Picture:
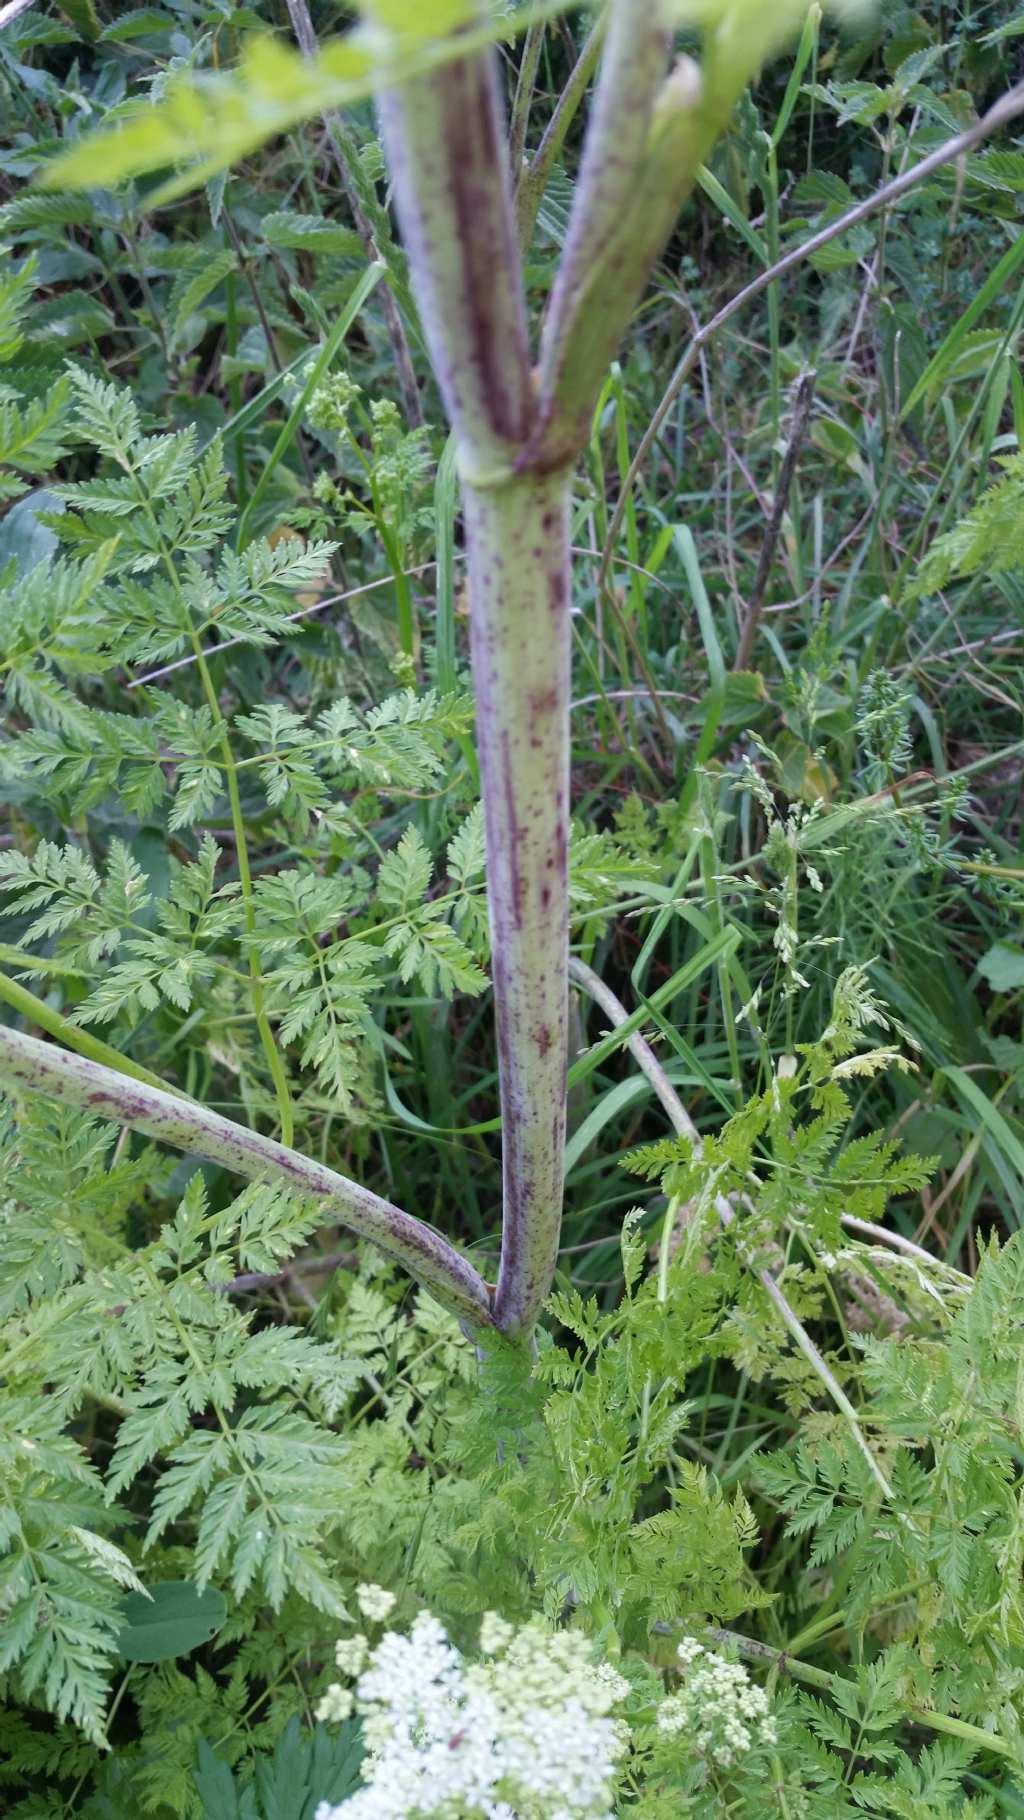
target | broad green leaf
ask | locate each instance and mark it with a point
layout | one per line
(23, 539)
(1003, 967)
(171, 1619)
(305, 1770)
(310, 233)
(192, 288)
(1014, 28)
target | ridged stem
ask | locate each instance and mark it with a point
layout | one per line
(519, 581)
(445, 142)
(37, 1067)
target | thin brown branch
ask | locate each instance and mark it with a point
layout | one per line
(752, 618)
(1007, 109)
(251, 1280)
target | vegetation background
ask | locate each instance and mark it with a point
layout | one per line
(240, 844)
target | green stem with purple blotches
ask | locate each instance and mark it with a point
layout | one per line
(37, 1067)
(519, 574)
(517, 439)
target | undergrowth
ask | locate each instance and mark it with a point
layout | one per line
(774, 1408)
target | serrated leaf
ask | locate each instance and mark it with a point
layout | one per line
(190, 289)
(310, 233)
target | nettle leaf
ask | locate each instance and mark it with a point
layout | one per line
(194, 284)
(310, 234)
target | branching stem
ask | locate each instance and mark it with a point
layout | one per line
(36, 1067)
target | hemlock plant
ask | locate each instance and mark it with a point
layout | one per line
(531, 1460)
(518, 429)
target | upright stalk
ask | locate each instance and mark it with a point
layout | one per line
(517, 437)
(519, 579)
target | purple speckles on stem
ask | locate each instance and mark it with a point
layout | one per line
(472, 153)
(517, 441)
(45, 1068)
(511, 834)
(444, 139)
(521, 652)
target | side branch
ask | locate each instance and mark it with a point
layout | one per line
(443, 134)
(36, 1067)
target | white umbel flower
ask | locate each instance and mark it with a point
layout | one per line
(723, 1715)
(336, 1705)
(350, 1654)
(527, 1732)
(375, 1602)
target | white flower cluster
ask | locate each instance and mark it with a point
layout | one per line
(526, 1734)
(375, 1602)
(718, 1706)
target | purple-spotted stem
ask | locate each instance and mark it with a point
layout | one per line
(37, 1067)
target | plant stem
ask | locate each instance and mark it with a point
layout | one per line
(820, 1678)
(347, 160)
(518, 542)
(37, 1011)
(532, 181)
(39, 1067)
(270, 1049)
(528, 67)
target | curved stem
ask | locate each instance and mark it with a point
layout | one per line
(784, 1663)
(37, 1011)
(38, 1067)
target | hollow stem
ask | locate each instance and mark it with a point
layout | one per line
(518, 546)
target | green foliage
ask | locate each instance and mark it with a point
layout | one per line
(288, 1785)
(149, 1332)
(279, 838)
(987, 541)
